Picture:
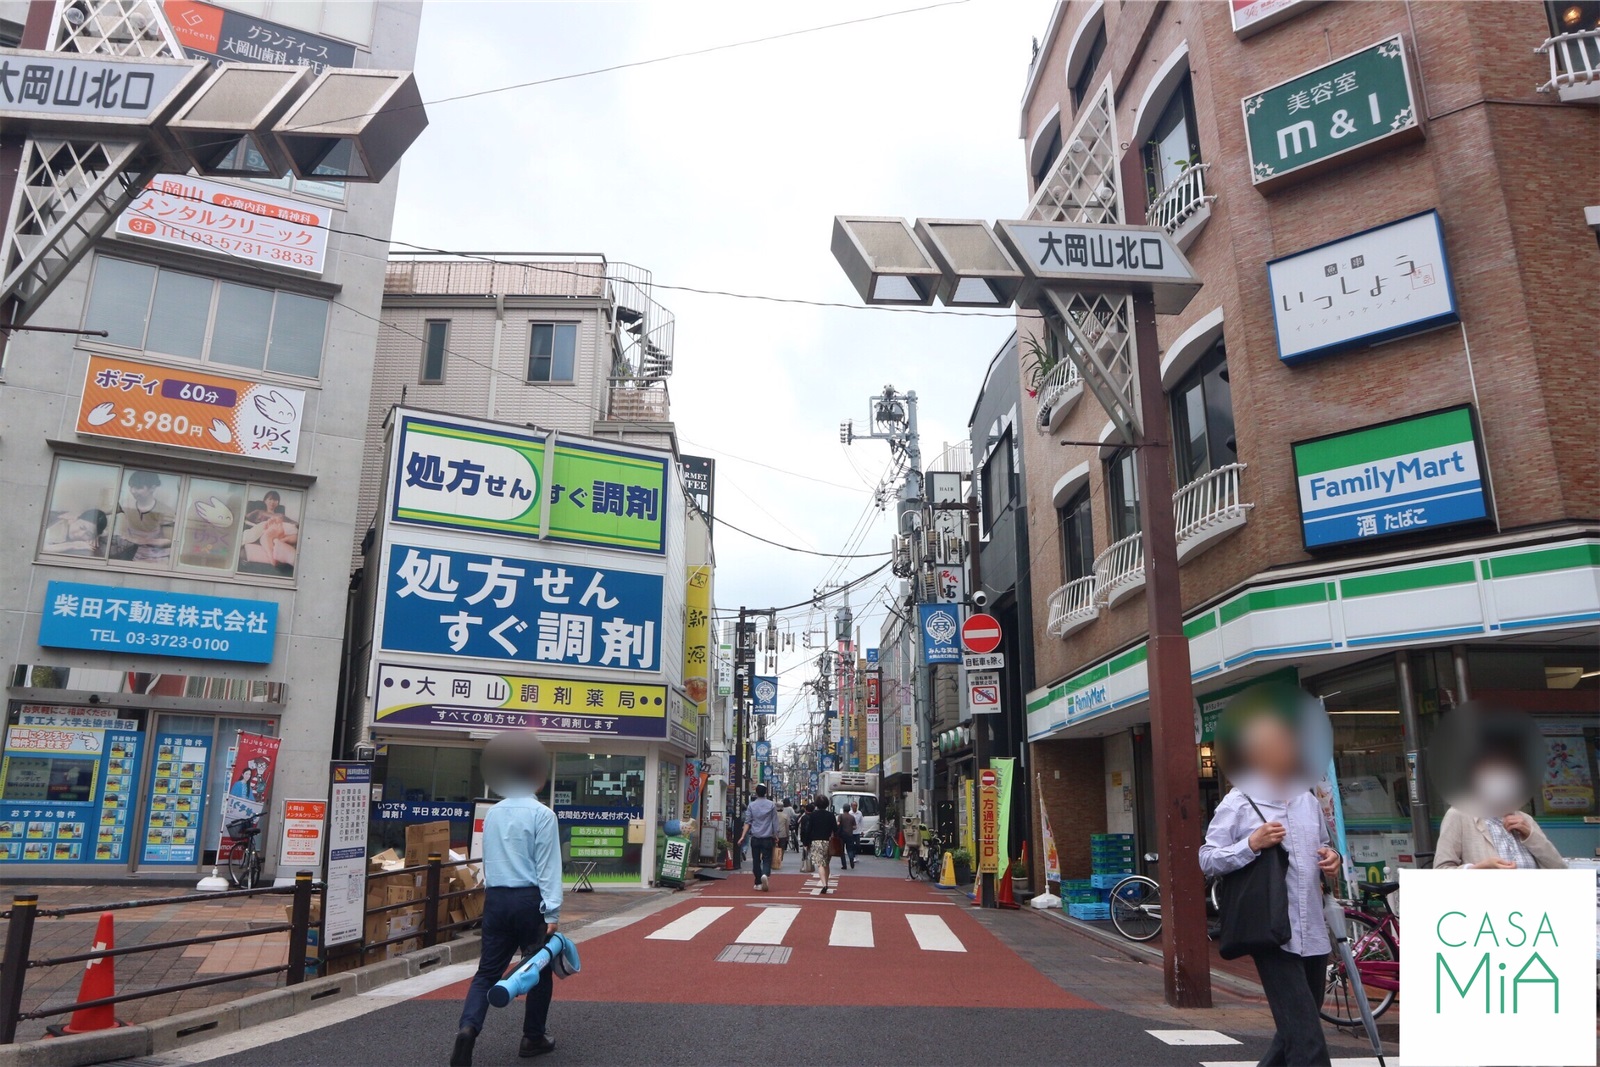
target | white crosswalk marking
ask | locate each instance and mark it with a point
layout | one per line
(933, 935)
(852, 929)
(1355, 1061)
(1192, 1037)
(769, 927)
(685, 927)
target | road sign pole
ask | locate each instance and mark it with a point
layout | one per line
(1179, 813)
(986, 892)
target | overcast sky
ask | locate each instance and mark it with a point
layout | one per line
(724, 171)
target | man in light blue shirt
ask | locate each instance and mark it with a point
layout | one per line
(761, 827)
(522, 901)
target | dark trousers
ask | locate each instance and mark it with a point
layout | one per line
(1294, 987)
(849, 850)
(761, 857)
(512, 920)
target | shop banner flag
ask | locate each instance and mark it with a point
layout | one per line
(1333, 816)
(255, 758)
(1004, 768)
(1052, 857)
(766, 696)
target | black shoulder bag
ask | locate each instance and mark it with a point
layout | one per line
(1255, 903)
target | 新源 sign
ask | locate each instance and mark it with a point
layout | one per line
(464, 475)
(446, 602)
(1355, 102)
(1400, 477)
(1378, 285)
(154, 622)
(941, 633)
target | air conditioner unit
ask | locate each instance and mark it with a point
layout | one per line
(927, 588)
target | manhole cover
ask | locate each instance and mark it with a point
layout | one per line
(754, 954)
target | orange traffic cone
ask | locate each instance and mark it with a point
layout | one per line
(727, 859)
(1003, 897)
(99, 982)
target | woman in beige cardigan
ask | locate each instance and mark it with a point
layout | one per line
(1508, 841)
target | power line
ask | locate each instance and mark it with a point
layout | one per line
(720, 521)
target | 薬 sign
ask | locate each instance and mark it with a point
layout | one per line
(1401, 477)
(1378, 285)
(1359, 103)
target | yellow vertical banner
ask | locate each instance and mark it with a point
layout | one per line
(696, 642)
(968, 817)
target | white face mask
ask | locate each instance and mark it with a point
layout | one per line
(1497, 791)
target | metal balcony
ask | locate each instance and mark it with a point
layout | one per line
(1058, 394)
(638, 400)
(1574, 65)
(1184, 206)
(1209, 508)
(1119, 570)
(1073, 606)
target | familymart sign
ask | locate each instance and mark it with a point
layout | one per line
(1400, 477)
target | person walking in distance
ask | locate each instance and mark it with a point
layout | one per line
(522, 898)
(760, 827)
(847, 838)
(780, 844)
(817, 830)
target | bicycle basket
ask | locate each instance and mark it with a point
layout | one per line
(239, 829)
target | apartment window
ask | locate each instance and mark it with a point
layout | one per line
(997, 482)
(435, 333)
(195, 317)
(139, 518)
(1202, 417)
(1174, 143)
(552, 351)
(1077, 536)
(1047, 155)
(1122, 491)
(1085, 79)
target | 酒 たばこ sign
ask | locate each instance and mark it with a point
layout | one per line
(189, 409)
(235, 222)
(1360, 102)
(462, 475)
(1400, 477)
(418, 696)
(155, 622)
(1378, 285)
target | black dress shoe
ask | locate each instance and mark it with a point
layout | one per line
(536, 1046)
(461, 1055)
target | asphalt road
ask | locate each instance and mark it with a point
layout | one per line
(883, 971)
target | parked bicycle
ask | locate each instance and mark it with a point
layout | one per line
(926, 857)
(1136, 906)
(885, 841)
(244, 859)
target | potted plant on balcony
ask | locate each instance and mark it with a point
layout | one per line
(1037, 362)
(961, 858)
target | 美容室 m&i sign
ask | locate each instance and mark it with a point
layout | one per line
(461, 474)
(1356, 105)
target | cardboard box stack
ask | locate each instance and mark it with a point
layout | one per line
(387, 887)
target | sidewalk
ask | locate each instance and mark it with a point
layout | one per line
(141, 971)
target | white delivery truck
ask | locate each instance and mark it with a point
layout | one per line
(844, 788)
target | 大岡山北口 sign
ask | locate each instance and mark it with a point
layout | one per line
(1355, 102)
(1378, 285)
(1111, 257)
(465, 475)
(1401, 477)
(156, 622)
(189, 409)
(445, 602)
(231, 220)
(429, 697)
(91, 90)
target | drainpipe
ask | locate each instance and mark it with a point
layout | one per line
(1416, 784)
(1458, 653)
(494, 351)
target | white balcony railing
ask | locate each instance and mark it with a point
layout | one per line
(1119, 570)
(1574, 64)
(1182, 201)
(1072, 606)
(1208, 507)
(1058, 393)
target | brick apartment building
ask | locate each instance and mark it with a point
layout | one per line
(1391, 208)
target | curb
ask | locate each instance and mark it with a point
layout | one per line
(1145, 954)
(160, 1035)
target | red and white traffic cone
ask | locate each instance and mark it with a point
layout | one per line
(99, 982)
(1003, 898)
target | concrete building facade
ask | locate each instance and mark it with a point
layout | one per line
(1292, 360)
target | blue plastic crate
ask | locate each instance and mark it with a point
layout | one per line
(1089, 912)
(1106, 881)
(1118, 869)
(1116, 838)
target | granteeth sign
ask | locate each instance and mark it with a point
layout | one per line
(1401, 477)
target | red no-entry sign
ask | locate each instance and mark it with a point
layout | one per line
(981, 633)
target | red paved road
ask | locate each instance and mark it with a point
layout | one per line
(627, 966)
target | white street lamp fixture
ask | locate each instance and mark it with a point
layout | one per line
(352, 125)
(884, 261)
(977, 270)
(223, 129)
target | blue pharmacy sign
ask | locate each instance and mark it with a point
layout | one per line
(765, 690)
(444, 602)
(763, 751)
(154, 622)
(827, 763)
(941, 633)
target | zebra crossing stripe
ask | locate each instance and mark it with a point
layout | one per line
(933, 935)
(851, 929)
(768, 927)
(1192, 1037)
(686, 927)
